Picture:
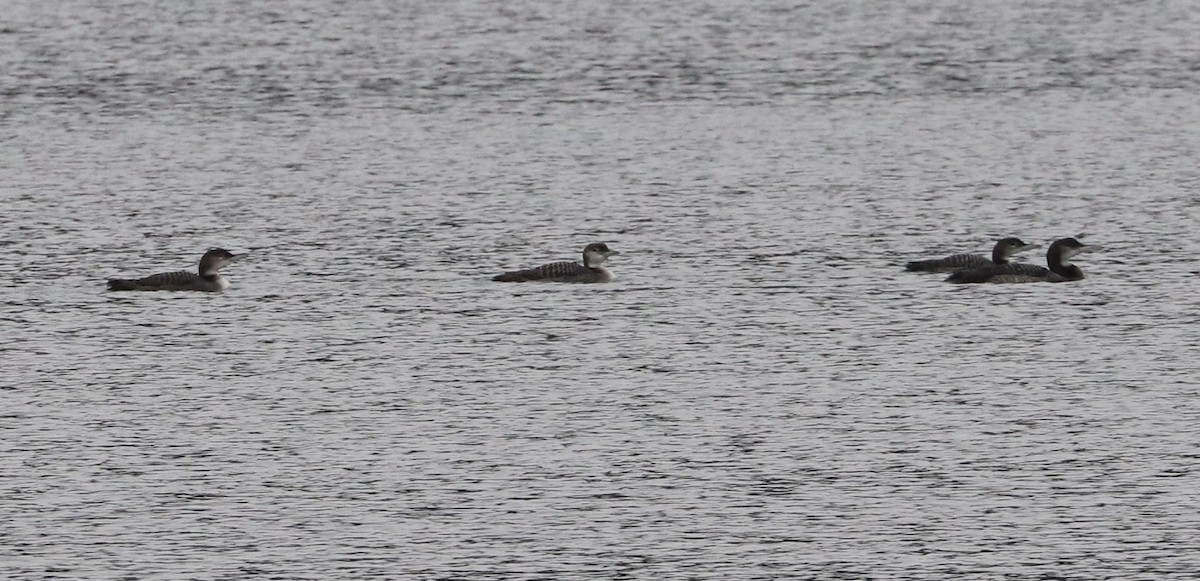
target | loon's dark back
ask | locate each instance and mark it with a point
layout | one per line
(948, 264)
(556, 272)
(181, 280)
(1012, 272)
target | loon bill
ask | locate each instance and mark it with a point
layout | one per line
(590, 271)
(207, 280)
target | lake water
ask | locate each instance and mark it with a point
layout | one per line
(761, 393)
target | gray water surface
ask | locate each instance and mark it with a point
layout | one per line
(761, 393)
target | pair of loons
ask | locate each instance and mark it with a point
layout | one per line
(209, 279)
(974, 268)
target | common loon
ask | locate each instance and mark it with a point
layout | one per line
(591, 270)
(1001, 253)
(207, 280)
(1057, 258)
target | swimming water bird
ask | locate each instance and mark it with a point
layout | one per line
(1057, 259)
(207, 280)
(591, 270)
(1001, 253)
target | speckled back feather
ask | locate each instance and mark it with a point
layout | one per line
(556, 272)
(1013, 272)
(949, 263)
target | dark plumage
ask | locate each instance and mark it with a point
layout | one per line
(1001, 253)
(1057, 259)
(590, 271)
(207, 279)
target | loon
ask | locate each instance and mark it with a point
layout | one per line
(591, 270)
(207, 280)
(1057, 258)
(1001, 253)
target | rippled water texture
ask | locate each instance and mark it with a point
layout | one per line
(761, 393)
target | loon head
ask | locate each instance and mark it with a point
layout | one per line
(596, 253)
(1015, 245)
(1064, 248)
(214, 260)
(1006, 247)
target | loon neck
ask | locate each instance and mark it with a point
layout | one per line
(211, 276)
(592, 261)
(1062, 266)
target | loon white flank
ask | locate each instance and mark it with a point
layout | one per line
(591, 270)
(1001, 253)
(1057, 259)
(207, 280)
